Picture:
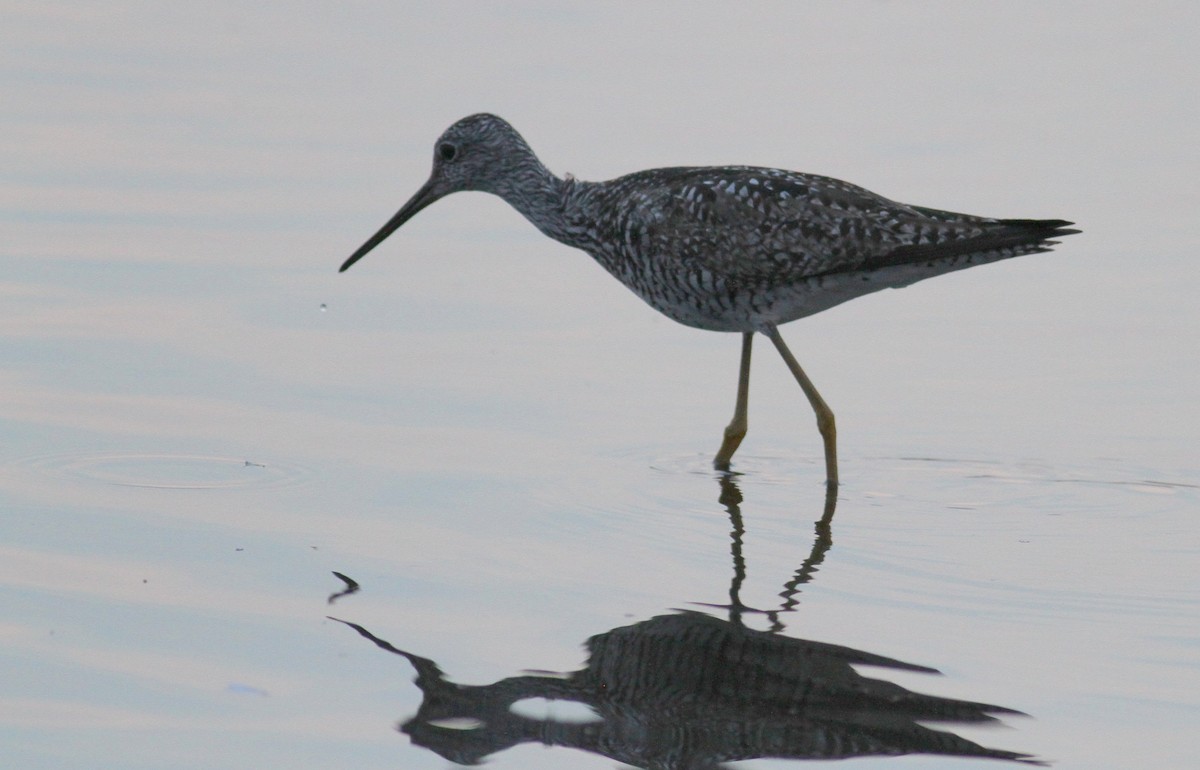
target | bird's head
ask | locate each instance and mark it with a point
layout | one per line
(480, 152)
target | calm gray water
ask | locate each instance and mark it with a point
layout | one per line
(509, 452)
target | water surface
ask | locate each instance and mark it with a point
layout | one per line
(509, 453)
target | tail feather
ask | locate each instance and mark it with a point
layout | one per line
(1000, 239)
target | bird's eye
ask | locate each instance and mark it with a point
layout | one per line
(447, 151)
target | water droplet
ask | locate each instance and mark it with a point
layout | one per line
(323, 307)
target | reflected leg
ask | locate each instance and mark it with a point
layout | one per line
(736, 430)
(825, 422)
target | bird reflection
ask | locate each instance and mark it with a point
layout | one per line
(689, 691)
(731, 499)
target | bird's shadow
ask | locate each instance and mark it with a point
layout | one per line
(689, 691)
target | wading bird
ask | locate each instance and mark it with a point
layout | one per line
(726, 248)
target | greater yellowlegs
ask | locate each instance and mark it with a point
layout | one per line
(726, 248)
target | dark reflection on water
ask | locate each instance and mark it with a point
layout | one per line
(688, 691)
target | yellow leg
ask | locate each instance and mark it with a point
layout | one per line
(736, 430)
(825, 422)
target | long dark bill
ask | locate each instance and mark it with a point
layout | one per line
(423, 198)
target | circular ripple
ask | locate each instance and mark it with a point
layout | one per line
(767, 469)
(169, 471)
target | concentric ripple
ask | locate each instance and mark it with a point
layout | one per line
(168, 471)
